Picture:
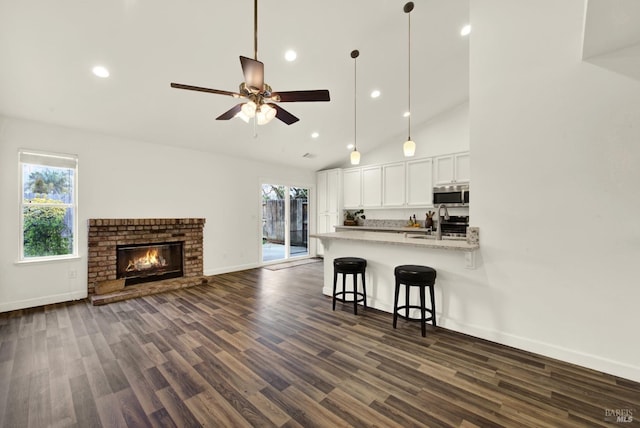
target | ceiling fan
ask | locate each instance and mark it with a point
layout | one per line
(261, 98)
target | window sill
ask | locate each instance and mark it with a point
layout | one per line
(48, 260)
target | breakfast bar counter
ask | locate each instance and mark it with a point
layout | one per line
(408, 238)
(453, 259)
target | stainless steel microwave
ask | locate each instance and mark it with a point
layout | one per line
(452, 196)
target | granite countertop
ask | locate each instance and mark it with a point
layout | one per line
(399, 239)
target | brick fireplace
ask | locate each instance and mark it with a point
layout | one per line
(107, 235)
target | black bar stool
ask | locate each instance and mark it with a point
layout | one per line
(415, 276)
(349, 266)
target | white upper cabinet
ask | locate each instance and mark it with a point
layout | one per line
(454, 168)
(420, 182)
(371, 186)
(393, 185)
(352, 187)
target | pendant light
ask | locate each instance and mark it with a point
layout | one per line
(409, 147)
(355, 154)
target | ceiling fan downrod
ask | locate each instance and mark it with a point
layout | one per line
(255, 30)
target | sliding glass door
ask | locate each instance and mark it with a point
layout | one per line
(285, 214)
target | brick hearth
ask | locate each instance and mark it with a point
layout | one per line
(106, 234)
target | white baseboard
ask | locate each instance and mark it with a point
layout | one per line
(595, 362)
(41, 301)
(228, 269)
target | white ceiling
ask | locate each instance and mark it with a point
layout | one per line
(612, 36)
(47, 50)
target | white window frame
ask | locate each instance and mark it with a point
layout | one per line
(33, 157)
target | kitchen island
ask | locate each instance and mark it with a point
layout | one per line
(453, 259)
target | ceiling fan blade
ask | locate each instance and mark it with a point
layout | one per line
(253, 73)
(284, 115)
(295, 96)
(231, 113)
(200, 89)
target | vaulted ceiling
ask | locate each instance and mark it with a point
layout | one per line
(47, 51)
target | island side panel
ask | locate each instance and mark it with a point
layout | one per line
(454, 283)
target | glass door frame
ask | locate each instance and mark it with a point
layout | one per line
(287, 221)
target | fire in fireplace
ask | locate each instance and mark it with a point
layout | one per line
(149, 262)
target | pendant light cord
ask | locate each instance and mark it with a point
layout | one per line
(409, 87)
(355, 103)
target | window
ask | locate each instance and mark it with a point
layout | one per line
(48, 212)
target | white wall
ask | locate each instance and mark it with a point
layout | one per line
(121, 178)
(555, 155)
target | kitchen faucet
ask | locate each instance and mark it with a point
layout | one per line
(440, 218)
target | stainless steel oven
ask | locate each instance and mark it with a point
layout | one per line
(455, 225)
(452, 196)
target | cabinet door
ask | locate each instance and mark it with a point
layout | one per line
(420, 182)
(463, 167)
(333, 191)
(371, 186)
(393, 185)
(326, 224)
(444, 169)
(351, 189)
(322, 197)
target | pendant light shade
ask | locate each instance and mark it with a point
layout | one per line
(409, 147)
(355, 154)
(355, 157)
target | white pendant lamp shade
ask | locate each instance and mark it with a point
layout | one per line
(409, 148)
(355, 157)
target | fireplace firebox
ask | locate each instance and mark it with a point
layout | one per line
(149, 262)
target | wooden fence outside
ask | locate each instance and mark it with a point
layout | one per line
(273, 221)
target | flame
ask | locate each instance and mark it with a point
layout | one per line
(149, 261)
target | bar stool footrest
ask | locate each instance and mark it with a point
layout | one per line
(428, 311)
(361, 296)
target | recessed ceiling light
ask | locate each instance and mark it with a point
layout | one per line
(100, 71)
(290, 55)
(315, 135)
(465, 30)
(406, 114)
(375, 94)
(349, 146)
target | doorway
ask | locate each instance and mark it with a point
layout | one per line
(285, 222)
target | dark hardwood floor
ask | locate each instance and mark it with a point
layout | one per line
(263, 348)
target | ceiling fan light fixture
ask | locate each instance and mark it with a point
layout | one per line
(265, 114)
(244, 117)
(249, 109)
